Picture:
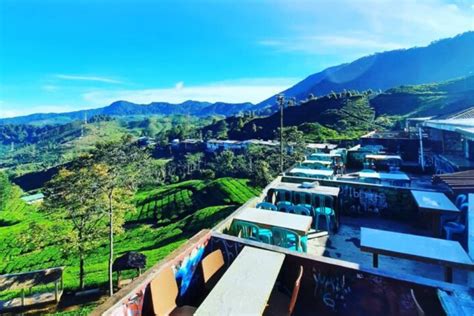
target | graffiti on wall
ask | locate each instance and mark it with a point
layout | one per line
(184, 271)
(332, 288)
(230, 249)
(360, 294)
(363, 200)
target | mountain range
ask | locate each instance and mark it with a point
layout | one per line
(125, 108)
(440, 61)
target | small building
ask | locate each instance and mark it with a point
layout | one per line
(452, 144)
(320, 147)
(34, 198)
(214, 145)
(22, 283)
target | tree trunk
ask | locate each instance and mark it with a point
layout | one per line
(111, 246)
(81, 271)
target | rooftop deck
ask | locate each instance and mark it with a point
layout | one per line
(338, 277)
(345, 245)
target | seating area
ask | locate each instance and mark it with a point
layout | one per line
(371, 242)
(241, 276)
(336, 232)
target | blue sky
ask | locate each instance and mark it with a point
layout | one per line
(58, 55)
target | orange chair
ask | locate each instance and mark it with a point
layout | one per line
(212, 266)
(281, 304)
(164, 291)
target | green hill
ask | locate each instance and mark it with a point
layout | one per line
(164, 219)
(427, 99)
(350, 114)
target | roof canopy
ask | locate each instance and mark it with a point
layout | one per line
(18, 281)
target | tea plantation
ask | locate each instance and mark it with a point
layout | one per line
(164, 219)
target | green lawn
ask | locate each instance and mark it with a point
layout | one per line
(165, 218)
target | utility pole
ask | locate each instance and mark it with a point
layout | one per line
(281, 102)
(422, 154)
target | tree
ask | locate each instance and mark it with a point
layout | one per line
(5, 189)
(74, 199)
(224, 162)
(262, 176)
(221, 129)
(123, 164)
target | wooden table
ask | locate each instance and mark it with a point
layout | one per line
(447, 253)
(437, 204)
(300, 224)
(246, 286)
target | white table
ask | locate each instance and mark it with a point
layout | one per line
(447, 253)
(313, 172)
(383, 157)
(385, 176)
(316, 162)
(319, 189)
(436, 203)
(246, 286)
(300, 224)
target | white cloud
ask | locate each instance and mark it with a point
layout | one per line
(232, 91)
(349, 27)
(326, 44)
(88, 78)
(12, 110)
(50, 88)
(179, 85)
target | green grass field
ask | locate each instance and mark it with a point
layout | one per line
(165, 218)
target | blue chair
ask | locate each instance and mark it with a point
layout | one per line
(286, 238)
(458, 226)
(460, 200)
(323, 207)
(266, 206)
(283, 195)
(284, 206)
(301, 198)
(252, 232)
(301, 209)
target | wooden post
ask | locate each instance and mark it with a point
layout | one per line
(56, 294)
(375, 260)
(118, 278)
(62, 281)
(22, 297)
(448, 274)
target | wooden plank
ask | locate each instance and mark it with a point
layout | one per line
(268, 219)
(246, 286)
(457, 302)
(436, 202)
(427, 249)
(319, 189)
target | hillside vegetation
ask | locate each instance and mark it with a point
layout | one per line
(350, 114)
(29, 148)
(164, 219)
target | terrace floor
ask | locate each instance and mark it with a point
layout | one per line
(345, 245)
